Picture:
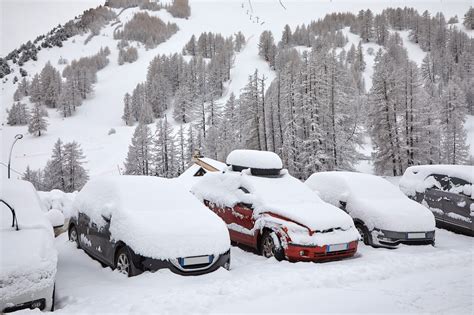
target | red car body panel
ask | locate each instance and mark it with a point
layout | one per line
(241, 224)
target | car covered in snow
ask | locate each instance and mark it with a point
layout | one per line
(383, 215)
(28, 257)
(274, 213)
(139, 223)
(446, 190)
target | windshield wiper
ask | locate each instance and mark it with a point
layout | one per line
(14, 220)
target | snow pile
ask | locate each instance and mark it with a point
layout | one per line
(418, 179)
(254, 159)
(27, 256)
(154, 216)
(284, 195)
(57, 199)
(372, 199)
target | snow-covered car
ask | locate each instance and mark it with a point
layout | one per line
(383, 215)
(139, 223)
(28, 257)
(274, 213)
(446, 190)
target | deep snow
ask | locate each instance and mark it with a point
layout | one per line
(416, 279)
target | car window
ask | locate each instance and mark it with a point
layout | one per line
(460, 186)
(439, 182)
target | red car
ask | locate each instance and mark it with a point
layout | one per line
(269, 210)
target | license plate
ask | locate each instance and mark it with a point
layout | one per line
(189, 261)
(337, 247)
(416, 235)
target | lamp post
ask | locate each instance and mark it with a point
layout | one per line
(17, 137)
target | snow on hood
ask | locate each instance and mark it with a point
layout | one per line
(156, 217)
(283, 195)
(254, 159)
(416, 178)
(372, 199)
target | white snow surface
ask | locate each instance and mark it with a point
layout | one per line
(154, 216)
(57, 199)
(27, 257)
(408, 280)
(284, 195)
(417, 178)
(372, 199)
(255, 159)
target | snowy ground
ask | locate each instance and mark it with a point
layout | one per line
(410, 279)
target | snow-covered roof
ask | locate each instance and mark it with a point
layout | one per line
(254, 159)
(415, 179)
(157, 217)
(372, 199)
(283, 195)
(194, 173)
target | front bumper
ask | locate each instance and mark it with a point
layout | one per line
(295, 252)
(150, 264)
(393, 239)
(41, 299)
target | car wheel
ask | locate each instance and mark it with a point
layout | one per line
(268, 248)
(364, 233)
(74, 236)
(123, 262)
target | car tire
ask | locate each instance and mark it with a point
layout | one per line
(74, 236)
(268, 248)
(123, 262)
(364, 232)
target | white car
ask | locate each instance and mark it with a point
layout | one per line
(27, 255)
(383, 215)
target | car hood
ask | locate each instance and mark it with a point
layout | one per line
(28, 261)
(396, 214)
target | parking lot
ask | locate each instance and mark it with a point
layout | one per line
(408, 279)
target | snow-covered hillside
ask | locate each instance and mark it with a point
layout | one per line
(103, 109)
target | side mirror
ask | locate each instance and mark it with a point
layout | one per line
(56, 218)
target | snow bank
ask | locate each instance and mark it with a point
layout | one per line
(418, 179)
(372, 199)
(284, 195)
(254, 159)
(156, 217)
(57, 199)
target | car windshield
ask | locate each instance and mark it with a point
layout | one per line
(370, 186)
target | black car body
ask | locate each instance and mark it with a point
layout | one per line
(447, 191)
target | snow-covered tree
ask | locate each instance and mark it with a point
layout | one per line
(37, 122)
(75, 175)
(18, 114)
(139, 152)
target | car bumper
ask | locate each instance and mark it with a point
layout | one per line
(41, 299)
(150, 264)
(392, 239)
(295, 252)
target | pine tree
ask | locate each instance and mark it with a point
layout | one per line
(37, 122)
(165, 162)
(75, 176)
(469, 19)
(18, 114)
(139, 152)
(128, 116)
(54, 172)
(35, 90)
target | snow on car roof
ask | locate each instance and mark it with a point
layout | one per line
(254, 159)
(155, 216)
(283, 195)
(413, 180)
(22, 196)
(372, 199)
(361, 185)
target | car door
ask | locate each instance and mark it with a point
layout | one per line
(434, 196)
(84, 232)
(103, 245)
(457, 205)
(242, 217)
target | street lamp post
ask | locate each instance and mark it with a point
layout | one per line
(17, 137)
